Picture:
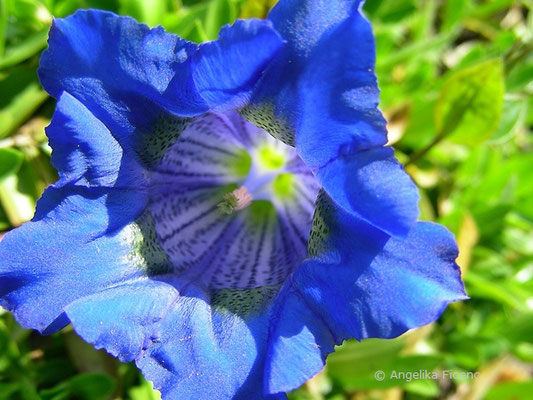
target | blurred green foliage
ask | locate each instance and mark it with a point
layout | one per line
(457, 84)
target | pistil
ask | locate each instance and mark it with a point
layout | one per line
(267, 164)
(237, 200)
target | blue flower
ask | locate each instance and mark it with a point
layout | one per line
(226, 262)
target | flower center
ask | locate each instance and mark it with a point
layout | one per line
(237, 200)
(265, 177)
(232, 206)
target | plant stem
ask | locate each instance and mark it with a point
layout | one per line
(421, 153)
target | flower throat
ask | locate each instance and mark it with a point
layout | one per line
(232, 206)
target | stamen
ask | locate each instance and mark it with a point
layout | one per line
(244, 198)
(237, 200)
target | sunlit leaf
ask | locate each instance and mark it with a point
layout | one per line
(183, 22)
(150, 12)
(18, 194)
(144, 391)
(362, 359)
(22, 51)
(511, 390)
(423, 387)
(400, 371)
(439, 71)
(393, 11)
(4, 222)
(504, 293)
(466, 240)
(512, 111)
(257, 8)
(469, 108)
(3, 26)
(27, 10)
(219, 13)
(197, 33)
(10, 162)
(454, 12)
(21, 96)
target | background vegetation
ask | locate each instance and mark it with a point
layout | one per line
(456, 80)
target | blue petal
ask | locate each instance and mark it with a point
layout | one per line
(299, 342)
(373, 186)
(207, 353)
(187, 347)
(321, 95)
(337, 89)
(110, 63)
(323, 84)
(118, 68)
(362, 283)
(303, 23)
(77, 235)
(121, 319)
(69, 256)
(256, 246)
(95, 163)
(225, 71)
(85, 152)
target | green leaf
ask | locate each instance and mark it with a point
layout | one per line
(18, 194)
(150, 12)
(520, 76)
(423, 387)
(111, 5)
(469, 108)
(355, 357)
(416, 51)
(92, 386)
(10, 162)
(21, 96)
(53, 370)
(4, 222)
(3, 26)
(86, 358)
(524, 351)
(485, 9)
(519, 328)
(83, 387)
(511, 390)
(62, 8)
(24, 50)
(256, 8)
(512, 110)
(144, 391)
(197, 34)
(454, 12)
(8, 390)
(501, 292)
(419, 130)
(183, 22)
(219, 13)
(355, 363)
(27, 10)
(394, 11)
(400, 371)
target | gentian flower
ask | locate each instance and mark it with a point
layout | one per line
(227, 212)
